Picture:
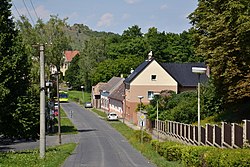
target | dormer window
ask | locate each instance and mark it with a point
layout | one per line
(153, 77)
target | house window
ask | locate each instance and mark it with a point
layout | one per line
(150, 95)
(153, 77)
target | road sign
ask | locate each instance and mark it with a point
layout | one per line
(142, 117)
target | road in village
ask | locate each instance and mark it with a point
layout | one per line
(99, 144)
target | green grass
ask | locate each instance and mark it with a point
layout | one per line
(145, 148)
(67, 127)
(77, 95)
(102, 114)
(54, 157)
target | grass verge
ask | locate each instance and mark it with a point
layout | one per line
(146, 149)
(55, 156)
(67, 127)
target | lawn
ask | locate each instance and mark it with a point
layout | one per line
(77, 96)
(55, 156)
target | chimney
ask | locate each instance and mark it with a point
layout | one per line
(150, 55)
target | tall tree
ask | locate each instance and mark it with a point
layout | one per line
(222, 33)
(14, 78)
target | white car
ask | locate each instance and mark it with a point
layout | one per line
(112, 116)
(88, 105)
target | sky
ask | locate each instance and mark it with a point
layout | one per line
(112, 15)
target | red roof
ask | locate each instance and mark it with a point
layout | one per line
(69, 55)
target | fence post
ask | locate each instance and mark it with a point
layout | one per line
(232, 134)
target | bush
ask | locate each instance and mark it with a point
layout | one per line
(146, 137)
(173, 153)
(194, 155)
(169, 150)
(227, 157)
(197, 156)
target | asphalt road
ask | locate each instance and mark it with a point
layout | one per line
(99, 144)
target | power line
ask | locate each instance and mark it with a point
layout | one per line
(34, 9)
(28, 12)
(16, 9)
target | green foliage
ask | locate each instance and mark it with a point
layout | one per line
(146, 138)
(55, 156)
(26, 117)
(181, 107)
(212, 102)
(221, 32)
(70, 75)
(169, 150)
(17, 102)
(197, 156)
(228, 157)
(194, 155)
(103, 57)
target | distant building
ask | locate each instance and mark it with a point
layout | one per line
(68, 56)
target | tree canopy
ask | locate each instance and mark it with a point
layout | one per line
(15, 81)
(222, 35)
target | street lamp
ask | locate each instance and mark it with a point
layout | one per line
(124, 111)
(140, 98)
(82, 87)
(157, 115)
(199, 71)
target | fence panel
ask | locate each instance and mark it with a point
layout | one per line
(203, 135)
(238, 136)
(209, 134)
(226, 135)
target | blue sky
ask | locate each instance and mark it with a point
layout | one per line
(113, 15)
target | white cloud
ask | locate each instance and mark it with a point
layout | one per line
(163, 7)
(131, 1)
(105, 20)
(43, 13)
(125, 16)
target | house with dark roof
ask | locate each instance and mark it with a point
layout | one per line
(101, 92)
(152, 77)
(116, 100)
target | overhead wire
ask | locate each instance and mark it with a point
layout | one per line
(16, 9)
(34, 9)
(28, 12)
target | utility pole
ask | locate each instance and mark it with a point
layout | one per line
(42, 103)
(59, 114)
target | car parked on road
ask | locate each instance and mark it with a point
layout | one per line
(88, 105)
(112, 116)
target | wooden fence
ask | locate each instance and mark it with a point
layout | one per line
(224, 136)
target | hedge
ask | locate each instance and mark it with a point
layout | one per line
(205, 156)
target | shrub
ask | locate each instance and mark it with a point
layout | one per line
(146, 137)
(227, 157)
(194, 155)
(173, 153)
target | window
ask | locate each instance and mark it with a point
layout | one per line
(153, 77)
(150, 95)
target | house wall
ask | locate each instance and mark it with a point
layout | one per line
(116, 106)
(143, 83)
(104, 103)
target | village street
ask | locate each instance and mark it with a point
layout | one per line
(99, 144)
